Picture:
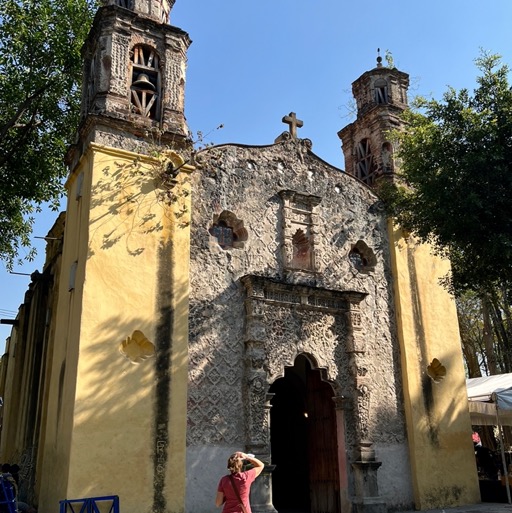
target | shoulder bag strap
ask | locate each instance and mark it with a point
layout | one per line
(237, 492)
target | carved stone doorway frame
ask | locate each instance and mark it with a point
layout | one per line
(282, 321)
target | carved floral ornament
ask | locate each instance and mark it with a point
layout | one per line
(137, 348)
(436, 371)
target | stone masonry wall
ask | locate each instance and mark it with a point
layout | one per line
(246, 182)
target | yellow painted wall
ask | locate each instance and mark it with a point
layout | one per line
(24, 366)
(17, 373)
(438, 424)
(101, 437)
(10, 392)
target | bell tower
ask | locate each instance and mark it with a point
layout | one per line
(426, 319)
(134, 77)
(121, 339)
(381, 96)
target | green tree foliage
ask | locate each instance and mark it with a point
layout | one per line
(40, 75)
(471, 332)
(486, 331)
(455, 180)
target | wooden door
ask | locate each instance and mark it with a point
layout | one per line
(322, 446)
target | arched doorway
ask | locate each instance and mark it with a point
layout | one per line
(303, 442)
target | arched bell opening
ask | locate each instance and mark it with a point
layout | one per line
(145, 88)
(303, 441)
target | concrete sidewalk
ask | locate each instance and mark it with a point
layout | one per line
(484, 507)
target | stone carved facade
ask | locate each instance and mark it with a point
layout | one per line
(251, 314)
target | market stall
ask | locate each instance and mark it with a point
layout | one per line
(490, 404)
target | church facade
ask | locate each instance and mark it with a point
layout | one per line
(240, 297)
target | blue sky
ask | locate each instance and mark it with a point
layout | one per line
(251, 63)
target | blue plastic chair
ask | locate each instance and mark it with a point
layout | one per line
(7, 498)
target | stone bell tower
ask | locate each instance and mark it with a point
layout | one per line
(425, 313)
(121, 333)
(381, 95)
(134, 76)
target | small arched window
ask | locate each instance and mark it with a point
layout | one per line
(224, 234)
(381, 92)
(145, 85)
(228, 230)
(365, 165)
(357, 259)
(362, 257)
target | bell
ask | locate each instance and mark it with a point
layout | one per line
(143, 82)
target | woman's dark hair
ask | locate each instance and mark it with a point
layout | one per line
(235, 464)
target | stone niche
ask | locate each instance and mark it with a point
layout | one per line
(300, 220)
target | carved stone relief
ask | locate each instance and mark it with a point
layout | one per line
(215, 397)
(120, 46)
(251, 330)
(284, 321)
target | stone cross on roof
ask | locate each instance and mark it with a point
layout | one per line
(293, 122)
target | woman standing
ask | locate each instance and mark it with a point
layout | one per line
(233, 490)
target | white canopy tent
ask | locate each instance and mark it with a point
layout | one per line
(490, 404)
(490, 398)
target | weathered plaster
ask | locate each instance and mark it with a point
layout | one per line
(119, 232)
(437, 413)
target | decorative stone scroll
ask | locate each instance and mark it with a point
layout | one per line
(282, 321)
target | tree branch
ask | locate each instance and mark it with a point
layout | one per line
(21, 110)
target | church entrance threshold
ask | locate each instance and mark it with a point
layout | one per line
(304, 442)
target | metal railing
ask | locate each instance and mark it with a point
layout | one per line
(107, 504)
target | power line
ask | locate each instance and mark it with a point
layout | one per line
(7, 312)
